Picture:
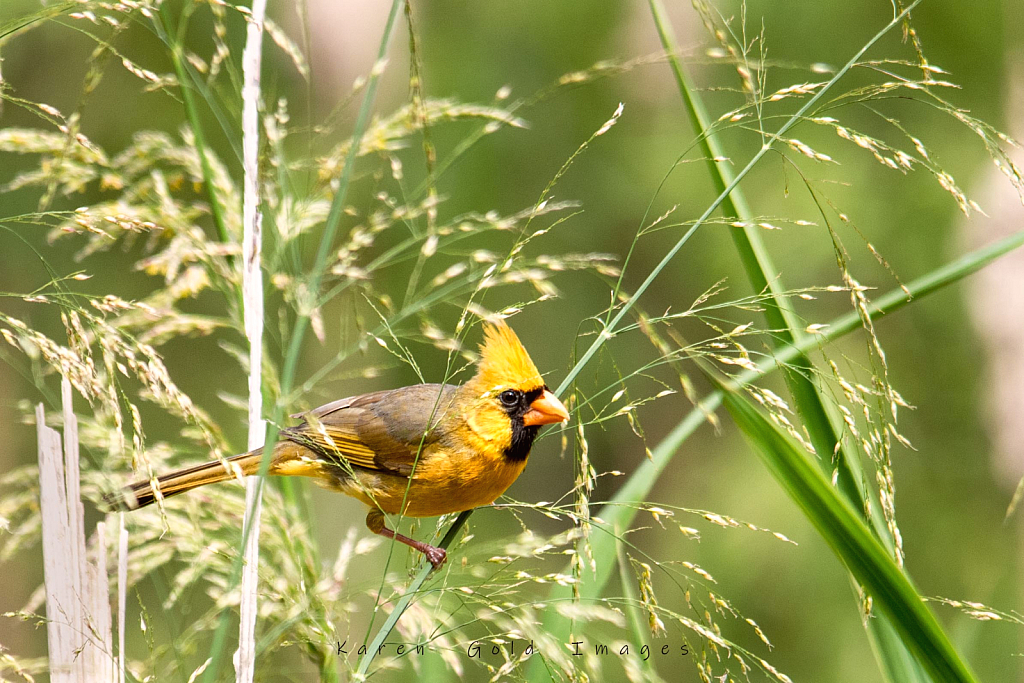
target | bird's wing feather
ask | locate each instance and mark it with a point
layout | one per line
(380, 431)
(342, 403)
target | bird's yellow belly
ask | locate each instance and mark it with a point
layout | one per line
(443, 482)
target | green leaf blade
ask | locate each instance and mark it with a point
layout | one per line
(638, 486)
(841, 527)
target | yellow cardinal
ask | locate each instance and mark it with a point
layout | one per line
(462, 446)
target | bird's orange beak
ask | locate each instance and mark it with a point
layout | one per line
(546, 409)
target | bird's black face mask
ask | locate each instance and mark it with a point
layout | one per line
(516, 403)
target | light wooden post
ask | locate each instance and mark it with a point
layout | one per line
(78, 625)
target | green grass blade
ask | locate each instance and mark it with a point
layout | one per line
(896, 662)
(638, 628)
(890, 653)
(753, 255)
(338, 202)
(192, 111)
(639, 484)
(15, 25)
(619, 515)
(852, 541)
(592, 589)
(764, 277)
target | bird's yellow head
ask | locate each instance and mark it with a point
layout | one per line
(504, 362)
(512, 401)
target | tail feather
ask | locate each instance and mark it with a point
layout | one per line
(141, 493)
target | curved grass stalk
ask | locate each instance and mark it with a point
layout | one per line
(763, 277)
(620, 511)
(609, 330)
(890, 652)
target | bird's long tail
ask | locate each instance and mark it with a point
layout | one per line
(142, 493)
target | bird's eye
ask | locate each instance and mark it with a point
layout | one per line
(509, 397)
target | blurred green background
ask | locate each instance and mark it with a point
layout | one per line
(952, 492)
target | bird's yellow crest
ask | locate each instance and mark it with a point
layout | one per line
(504, 362)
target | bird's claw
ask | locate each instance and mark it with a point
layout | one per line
(436, 556)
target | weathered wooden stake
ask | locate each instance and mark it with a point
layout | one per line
(78, 625)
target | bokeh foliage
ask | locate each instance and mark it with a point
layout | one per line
(794, 594)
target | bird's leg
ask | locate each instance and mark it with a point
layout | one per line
(375, 523)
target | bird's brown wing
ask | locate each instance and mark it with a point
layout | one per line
(380, 431)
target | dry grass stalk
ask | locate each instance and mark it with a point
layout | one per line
(252, 290)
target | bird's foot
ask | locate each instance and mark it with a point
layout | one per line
(436, 556)
(375, 523)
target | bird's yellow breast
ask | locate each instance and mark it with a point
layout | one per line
(446, 480)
